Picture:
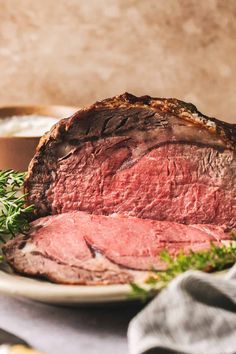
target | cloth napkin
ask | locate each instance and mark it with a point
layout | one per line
(195, 314)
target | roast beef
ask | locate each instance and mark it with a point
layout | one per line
(81, 248)
(121, 181)
(144, 157)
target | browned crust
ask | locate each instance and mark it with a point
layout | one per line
(165, 106)
(184, 110)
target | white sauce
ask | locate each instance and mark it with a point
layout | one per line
(26, 125)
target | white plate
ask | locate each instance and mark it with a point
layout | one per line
(70, 295)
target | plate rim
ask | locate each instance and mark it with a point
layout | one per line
(14, 284)
(44, 291)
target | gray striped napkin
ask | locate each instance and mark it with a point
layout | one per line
(195, 314)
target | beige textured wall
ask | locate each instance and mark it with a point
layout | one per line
(77, 51)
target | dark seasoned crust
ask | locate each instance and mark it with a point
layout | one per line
(115, 117)
(163, 106)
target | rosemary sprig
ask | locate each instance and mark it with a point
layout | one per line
(13, 213)
(214, 259)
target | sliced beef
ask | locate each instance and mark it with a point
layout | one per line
(56, 249)
(80, 248)
(144, 157)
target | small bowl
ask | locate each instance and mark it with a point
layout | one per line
(16, 152)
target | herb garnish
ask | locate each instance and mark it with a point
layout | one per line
(214, 259)
(13, 213)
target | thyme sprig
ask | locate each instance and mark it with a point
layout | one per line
(215, 259)
(13, 213)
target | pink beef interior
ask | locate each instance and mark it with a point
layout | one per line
(59, 237)
(130, 242)
(176, 182)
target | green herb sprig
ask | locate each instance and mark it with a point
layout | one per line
(13, 213)
(215, 259)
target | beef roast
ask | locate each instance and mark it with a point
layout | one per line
(81, 248)
(145, 157)
(121, 181)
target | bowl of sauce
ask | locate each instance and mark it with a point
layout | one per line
(21, 128)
